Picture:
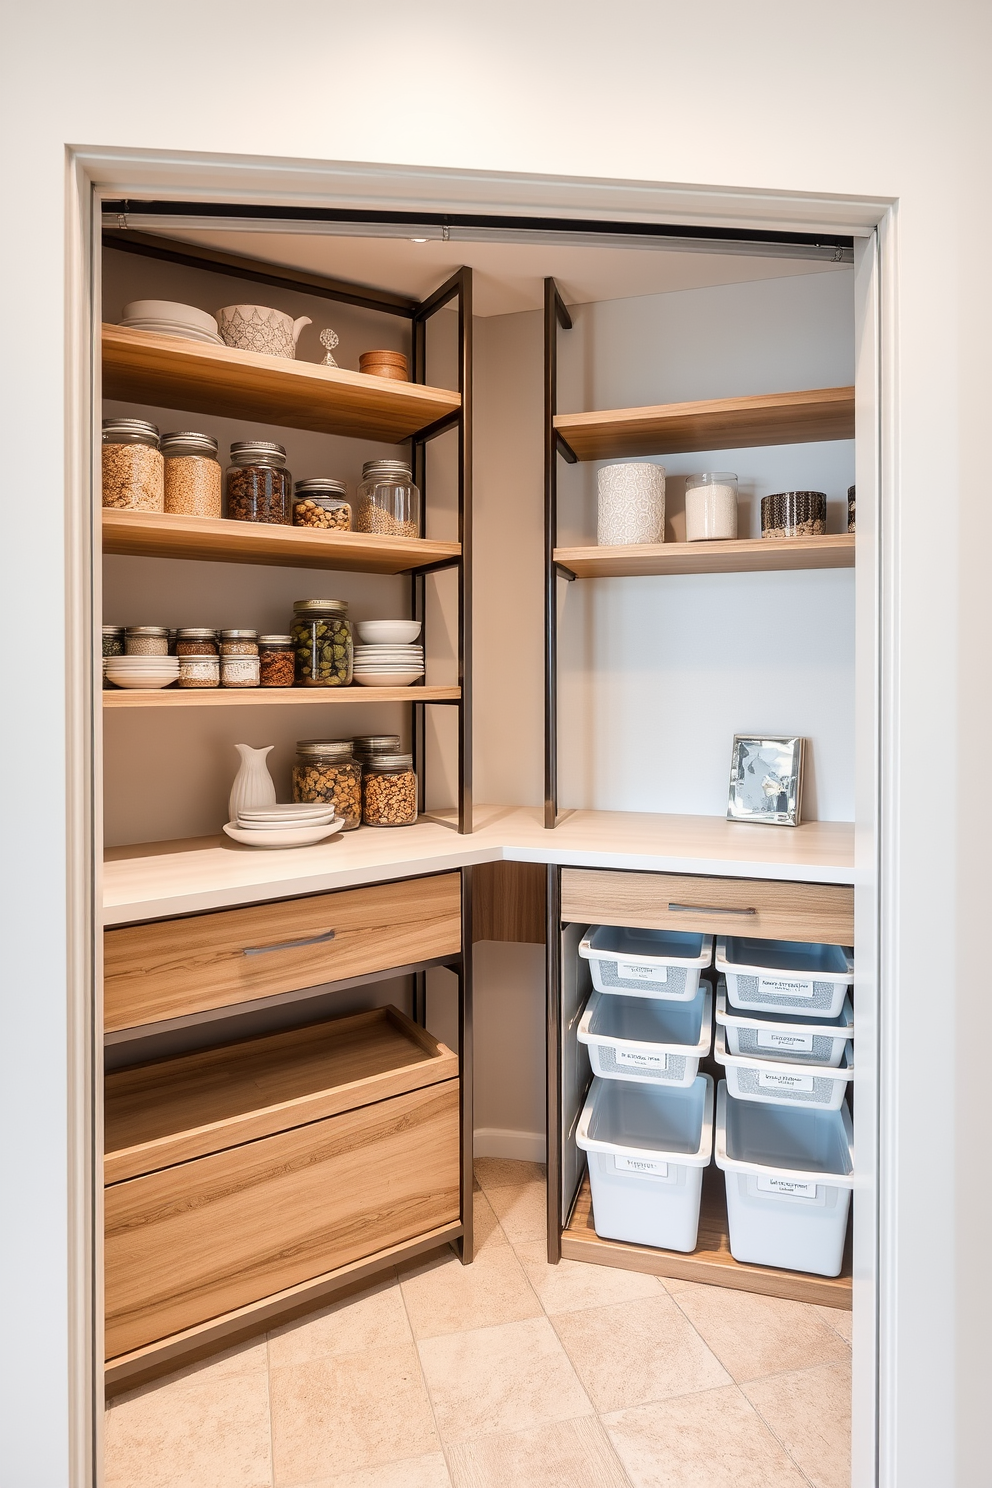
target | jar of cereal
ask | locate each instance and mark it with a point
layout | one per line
(326, 770)
(389, 791)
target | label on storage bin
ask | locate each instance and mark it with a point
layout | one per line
(784, 1082)
(782, 986)
(773, 1038)
(641, 1061)
(648, 1167)
(789, 1186)
(638, 972)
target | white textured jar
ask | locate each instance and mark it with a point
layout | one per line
(631, 505)
(711, 507)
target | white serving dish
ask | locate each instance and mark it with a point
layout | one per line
(774, 1082)
(150, 681)
(287, 837)
(646, 963)
(173, 310)
(171, 328)
(387, 679)
(776, 976)
(389, 653)
(786, 1036)
(288, 824)
(286, 812)
(646, 1039)
(388, 632)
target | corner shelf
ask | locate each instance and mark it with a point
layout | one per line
(746, 555)
(237, 697)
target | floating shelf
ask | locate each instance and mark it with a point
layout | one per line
(719, 423)
(267, 697)
(167, 372)
(747, 555)
(163, 535)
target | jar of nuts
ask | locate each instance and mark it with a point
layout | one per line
(133, 472)
(277, 667)
(389, 791)
(388, 501)
(259, 487)
(192, 475)
(326, 771)
(322, 642)
(322, 502)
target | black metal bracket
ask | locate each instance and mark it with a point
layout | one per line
(565, 449)
(565, 573)
(555, 315)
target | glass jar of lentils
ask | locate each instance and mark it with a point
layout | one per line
(259, 487)
(277, 664)
(389, 791)
(388, 501)
(322, 503)
(325, 770)
(196, 641)
(322, 643)
(133, 471)
(146, 640)
(192, 475)
(239, 658)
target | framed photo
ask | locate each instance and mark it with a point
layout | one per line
(766, 780)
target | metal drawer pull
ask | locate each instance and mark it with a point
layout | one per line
(707, 909)
(288, 945)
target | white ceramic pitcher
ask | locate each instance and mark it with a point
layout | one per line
(253, 785)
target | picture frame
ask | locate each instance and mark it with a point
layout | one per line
(766, 779)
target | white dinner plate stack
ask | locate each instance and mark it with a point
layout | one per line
(149, 672)
(295, 824)
(388, 666)
(170, 318)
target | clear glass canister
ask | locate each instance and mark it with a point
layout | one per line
(277, 666)
(322, 502)
(711, 506)
(325, 770)
(133, 471)
(322, 643)
(239, 671)
(389, 791)
(239, 643)
(388, 502)
(192, 475)
(259, 487)
(113, 645)
(198, 669)
(196, 641)
(794, 514)
(852, 492)
(367, 746)
(146, 640)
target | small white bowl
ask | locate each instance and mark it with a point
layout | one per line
(149, 680)
(387, 679)
(388, 632)
(170, 310)
(288, 837)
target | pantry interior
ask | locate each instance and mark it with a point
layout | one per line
(656, 670)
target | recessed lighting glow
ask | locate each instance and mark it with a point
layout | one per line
(418, 240)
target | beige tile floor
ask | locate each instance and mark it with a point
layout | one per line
(509, 1373)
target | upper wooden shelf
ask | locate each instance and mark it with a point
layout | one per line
(164, 535)
(746, 555)
(720, 423)
(167, 372)
(267, 697)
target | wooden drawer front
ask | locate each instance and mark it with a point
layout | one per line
(170, 968)
(200, 1239)
(767, 908)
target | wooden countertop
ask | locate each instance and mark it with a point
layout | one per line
(155, 880)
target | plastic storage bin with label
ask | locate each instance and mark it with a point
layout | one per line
(647, 1147)
(776, 975)
(786, 1036)
(654, 1042)
(646, 963)
(789, 1175)
(779, 1084)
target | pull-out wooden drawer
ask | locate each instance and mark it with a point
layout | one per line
(171, 968)
(770, 909)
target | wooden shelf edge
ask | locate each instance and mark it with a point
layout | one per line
(744, 555)
(234, 697)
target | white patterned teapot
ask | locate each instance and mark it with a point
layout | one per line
(259, 328)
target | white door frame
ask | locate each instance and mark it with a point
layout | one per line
(104, 173)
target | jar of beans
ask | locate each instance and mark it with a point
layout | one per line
(322, 643)
(146, 640)
(239, 671)
(192, 475)
(195, 641)
(259, 487)
(113, 645)
(389, 791)
(322, 503)
(388, 501)
(326, 771)
(277, 664)
(199, 669)
(133, 471)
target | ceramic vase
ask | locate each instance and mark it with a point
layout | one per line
(631, 505)
(253, 785)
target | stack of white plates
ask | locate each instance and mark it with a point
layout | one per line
(169, 318)
(298, 824)
(141, 671)
(388, 666)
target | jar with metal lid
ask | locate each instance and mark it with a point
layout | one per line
(238, 671)
(133, 470)
(322, 643)
(389, 791)
(192, 474)
(195, 641)
(367, 746)
(325, 770)
(146, 640)
(199, 669)
(259, 487)
(277, 665)
(239, 643)
(323, 503)
(388, 501)
(113, 645)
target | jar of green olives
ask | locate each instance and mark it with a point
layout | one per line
(322, 643)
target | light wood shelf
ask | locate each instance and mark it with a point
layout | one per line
(210, 540)
(717, 423)
(265, 697)
(710, 1263)
(168, 372)
(745, 555)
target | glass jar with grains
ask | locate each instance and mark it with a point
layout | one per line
(133, 473)
(322, 642)
(192, 475)
(322, 502)
(199, 669)
(388, 501)
(326, 771)
(113, 645)
(259, 487)
(239, 643)
(196, 641)
(146, 640)
(389, 791)
(277, 667)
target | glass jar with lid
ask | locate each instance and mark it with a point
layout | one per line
(239, 643)
(322, 503)
(113, 645)
(196, 641)
(276, 661)
(711, 506)
(326, 770)
(388, 502)
(367, 746)
(389, 791)
(192, 474)
(133, 469)
(239, 671)
(322, 643)
(259, 487)
(199, 669)
(146, 640)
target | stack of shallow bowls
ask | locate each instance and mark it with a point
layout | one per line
(141, 671)
(170, 318)
(296, 824)
(385, 655)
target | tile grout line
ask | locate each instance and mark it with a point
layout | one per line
(268, 1414)
(427, 1389)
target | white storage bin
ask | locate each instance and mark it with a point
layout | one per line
(779, 1084)
(789, 1175)
(776, 975)
(646, 963)
(647, 1148)
(653, 1042)
(786, 1036)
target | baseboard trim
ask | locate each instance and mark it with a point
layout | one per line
(495, 1141)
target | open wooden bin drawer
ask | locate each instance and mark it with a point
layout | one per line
(234, 1173)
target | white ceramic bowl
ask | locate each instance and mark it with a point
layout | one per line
(287, 837)
(387, 632)
(170, 310)
(148, 680)
(387, 679)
